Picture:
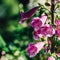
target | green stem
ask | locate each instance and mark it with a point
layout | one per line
(52, 11)
(53, 42)
(52, 21)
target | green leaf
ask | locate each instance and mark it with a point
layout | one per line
(2, 42)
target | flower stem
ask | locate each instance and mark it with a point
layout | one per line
(52, 11)
(53, 42)
(52, 21)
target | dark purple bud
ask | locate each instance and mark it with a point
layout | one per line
(27, 15)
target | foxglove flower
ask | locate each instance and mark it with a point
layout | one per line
(48, 30)
(57, 22)
(33, 49)
(51, 58)
(27, 15)
(38, 22)
(58, 31)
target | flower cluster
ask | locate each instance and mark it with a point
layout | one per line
(41, 29)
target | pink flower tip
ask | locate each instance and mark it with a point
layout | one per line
(51, 58)
(57, 22)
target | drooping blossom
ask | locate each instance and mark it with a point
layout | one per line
(57, 22)
(58, 31)
(33, 49)
(27, 15)
(38, 22)
(47, 30)
(51, 58)
(38, 33)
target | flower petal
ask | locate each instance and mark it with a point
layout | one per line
(36, 23)
(32, 49)
(39, 46)
(57, 22)
(49, 30)
(51, 58)
(36, 36)
(58, 32)
(43, 19)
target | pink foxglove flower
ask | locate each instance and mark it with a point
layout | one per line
(33, 49)
(27, 15)
(51, 58)
(57, 22)
(48, 30)
(58, 31)
(38, 22)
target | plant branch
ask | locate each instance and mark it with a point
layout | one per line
(52, 21)
(52, 11)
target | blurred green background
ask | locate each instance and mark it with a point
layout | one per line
(15, 37)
